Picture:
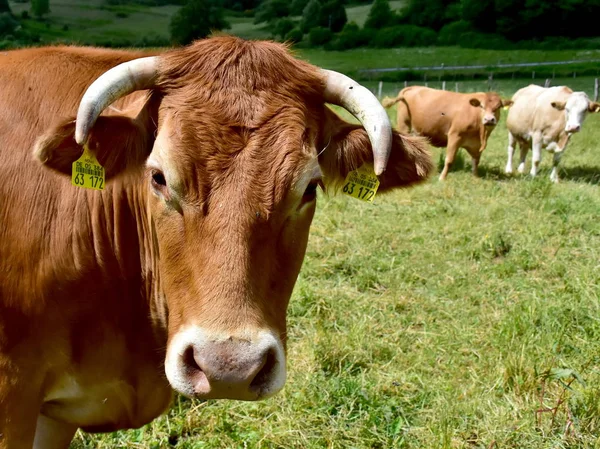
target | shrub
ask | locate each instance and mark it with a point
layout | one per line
(297, 7)
(352, 36)
(311, 15)
(404, 36)
(8, 24)
(451, 33)
(333, 15)
(294, 35)
(380, 15)
(319, 36)
(269, 10)
(25, 14)
(122, 15)
(283, 27)
(196, 20)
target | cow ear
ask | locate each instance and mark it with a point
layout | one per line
(560, 105)
(119, 143)
(347, 147)
(475, 102)
(507, 103)
(594, 107)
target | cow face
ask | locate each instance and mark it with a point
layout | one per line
(490, 105)
(576, 107)
(227, 154)
(232, 208)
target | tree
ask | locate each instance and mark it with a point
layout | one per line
(196, 20)
(380, 15)
(311, 15)
(4, 7)
(297, 7)
(40, 7)
(270, 10)
(333, 15)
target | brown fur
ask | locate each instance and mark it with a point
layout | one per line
(94, 284)
(449, 119)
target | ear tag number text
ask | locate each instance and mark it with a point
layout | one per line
(361, 184)
(87, 172)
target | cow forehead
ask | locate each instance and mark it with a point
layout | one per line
(577, 101)
(206, 155)
(493, 101)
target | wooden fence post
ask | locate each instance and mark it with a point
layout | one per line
(380, 88)
(443, 85)
(547, 83)
(405, 83)
(595, 89)
(455, 87)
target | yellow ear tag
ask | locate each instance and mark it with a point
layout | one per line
(87, 172)
(362, 184)
(505, 108)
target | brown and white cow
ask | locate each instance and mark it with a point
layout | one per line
(449, 119)
(179, 273)
(545, 117)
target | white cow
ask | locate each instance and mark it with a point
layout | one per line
(545, 117)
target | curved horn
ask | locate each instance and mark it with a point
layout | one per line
(110, 86)
(358, 100)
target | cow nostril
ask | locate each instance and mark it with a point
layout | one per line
(265, 374)
(189, 361)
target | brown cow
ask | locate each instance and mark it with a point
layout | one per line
(449, 119)
(189, 256)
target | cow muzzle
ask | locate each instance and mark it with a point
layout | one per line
(570, 129)
(490, 121)
(208, 366)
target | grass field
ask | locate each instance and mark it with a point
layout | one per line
(462, 314)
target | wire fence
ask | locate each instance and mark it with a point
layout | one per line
(504, 86)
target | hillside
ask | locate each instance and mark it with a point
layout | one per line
(92, 21)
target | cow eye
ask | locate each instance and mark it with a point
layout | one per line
(158, 180)
(311, 190)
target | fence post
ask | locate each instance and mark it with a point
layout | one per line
(490, 81)
(455, 87)
(444, 85)
(405, 83)
(380, 88)
(532, 75)
(547, 83)
(595, 89)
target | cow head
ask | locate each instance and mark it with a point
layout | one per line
(490, 104)
(227, 153)
(576, 107)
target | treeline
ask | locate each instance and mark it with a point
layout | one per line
(504, 23)
(514, 20)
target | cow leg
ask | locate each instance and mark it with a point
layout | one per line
(537, 155)
(511, 150)
(451, 149)
(523, 150)
(555, 162)
(51, 434)
(475, 165)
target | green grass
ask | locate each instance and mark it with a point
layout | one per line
(351, 61)
(462, 314)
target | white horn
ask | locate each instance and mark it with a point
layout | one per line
(117, 82)
(358, 100)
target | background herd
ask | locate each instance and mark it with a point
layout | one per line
(539, 118)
